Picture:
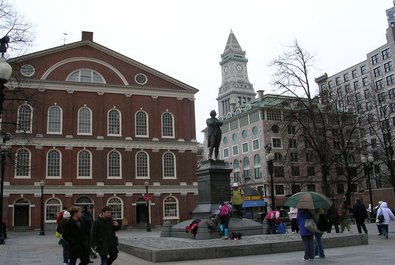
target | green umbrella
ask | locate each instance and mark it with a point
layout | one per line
(308, 200)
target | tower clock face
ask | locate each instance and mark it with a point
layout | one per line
(239, 67)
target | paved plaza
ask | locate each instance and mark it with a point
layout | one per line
(26, 248)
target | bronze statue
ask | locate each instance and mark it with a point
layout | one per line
(214, 134)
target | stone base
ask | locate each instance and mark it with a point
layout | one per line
(245, 226)
(163, 249)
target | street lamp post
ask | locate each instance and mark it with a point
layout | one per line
(269, 159)
(42, 184)
(368, 168)
(5, 74)
(146, 184)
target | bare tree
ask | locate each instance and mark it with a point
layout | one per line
(16, 28)
(326, 132)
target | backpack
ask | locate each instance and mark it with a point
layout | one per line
(323, 222)
(224, 210)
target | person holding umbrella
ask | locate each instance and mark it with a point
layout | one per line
(306, 201)
(306, 234)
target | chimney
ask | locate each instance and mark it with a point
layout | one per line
(260, 94)
(87, 35)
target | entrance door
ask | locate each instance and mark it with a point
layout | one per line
(141, 212)
(21, 215)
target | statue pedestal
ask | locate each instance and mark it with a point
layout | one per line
(213, 187)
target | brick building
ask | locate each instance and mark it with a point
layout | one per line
(95, 126)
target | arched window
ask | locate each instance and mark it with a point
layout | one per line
(114, 164)
(22, 165)
(83, 200)
(116, 205)
(141, 124)
(170, 208)
(54, 120)
(84, 121)
(114, 122)
(85, 75)
(84, 164)
(142, 165)
(52, 207)
(167, 125)
(54, 164)
(169, 165)
(257, 167)
(25, 117)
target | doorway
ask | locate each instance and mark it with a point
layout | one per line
(21, 214)
(141, 212)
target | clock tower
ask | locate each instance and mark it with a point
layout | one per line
(235, 88)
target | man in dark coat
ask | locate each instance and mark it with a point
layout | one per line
(73, 233)
(86, 222)
(214, 134)
(360, 214)
(103, 236)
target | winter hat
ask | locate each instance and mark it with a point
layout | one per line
(66, 214)
(235, 185)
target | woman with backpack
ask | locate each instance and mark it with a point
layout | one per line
(225, 210)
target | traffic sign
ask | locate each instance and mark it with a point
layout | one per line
(147, 197)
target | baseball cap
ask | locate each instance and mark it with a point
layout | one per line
(235, 185)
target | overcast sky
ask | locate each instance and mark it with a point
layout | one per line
(185, 38)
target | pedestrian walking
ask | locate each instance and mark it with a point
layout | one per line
(345, 219)
(103, 237)
(65, 245)
(307, 235)
(375, 210)
(360, 215)
(388, 216)
(74, 234)
(225, 211)
(237, 196)
(86, 222)
(334, 219)
(293, 214)
(321, 219)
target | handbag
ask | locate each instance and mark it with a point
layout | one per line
(380, 218)
(310, 225)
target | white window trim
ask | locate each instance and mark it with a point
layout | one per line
(281, 143)
(135, 125)
(178, 209)
(45, 209)
(60, 165)
(163, 166)
(90, 165)
(259, 144)
(242, 151)
(61, 120)
(276, 192)
(233, 154)
(78, 121)
(116, 197)
(108, 123)
(227, 148)
(108, 165)
(84, 69)
(161, 120)
(148, 165)
(30, 165)
(31, 119)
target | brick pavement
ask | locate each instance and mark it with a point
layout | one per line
(23, 248)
